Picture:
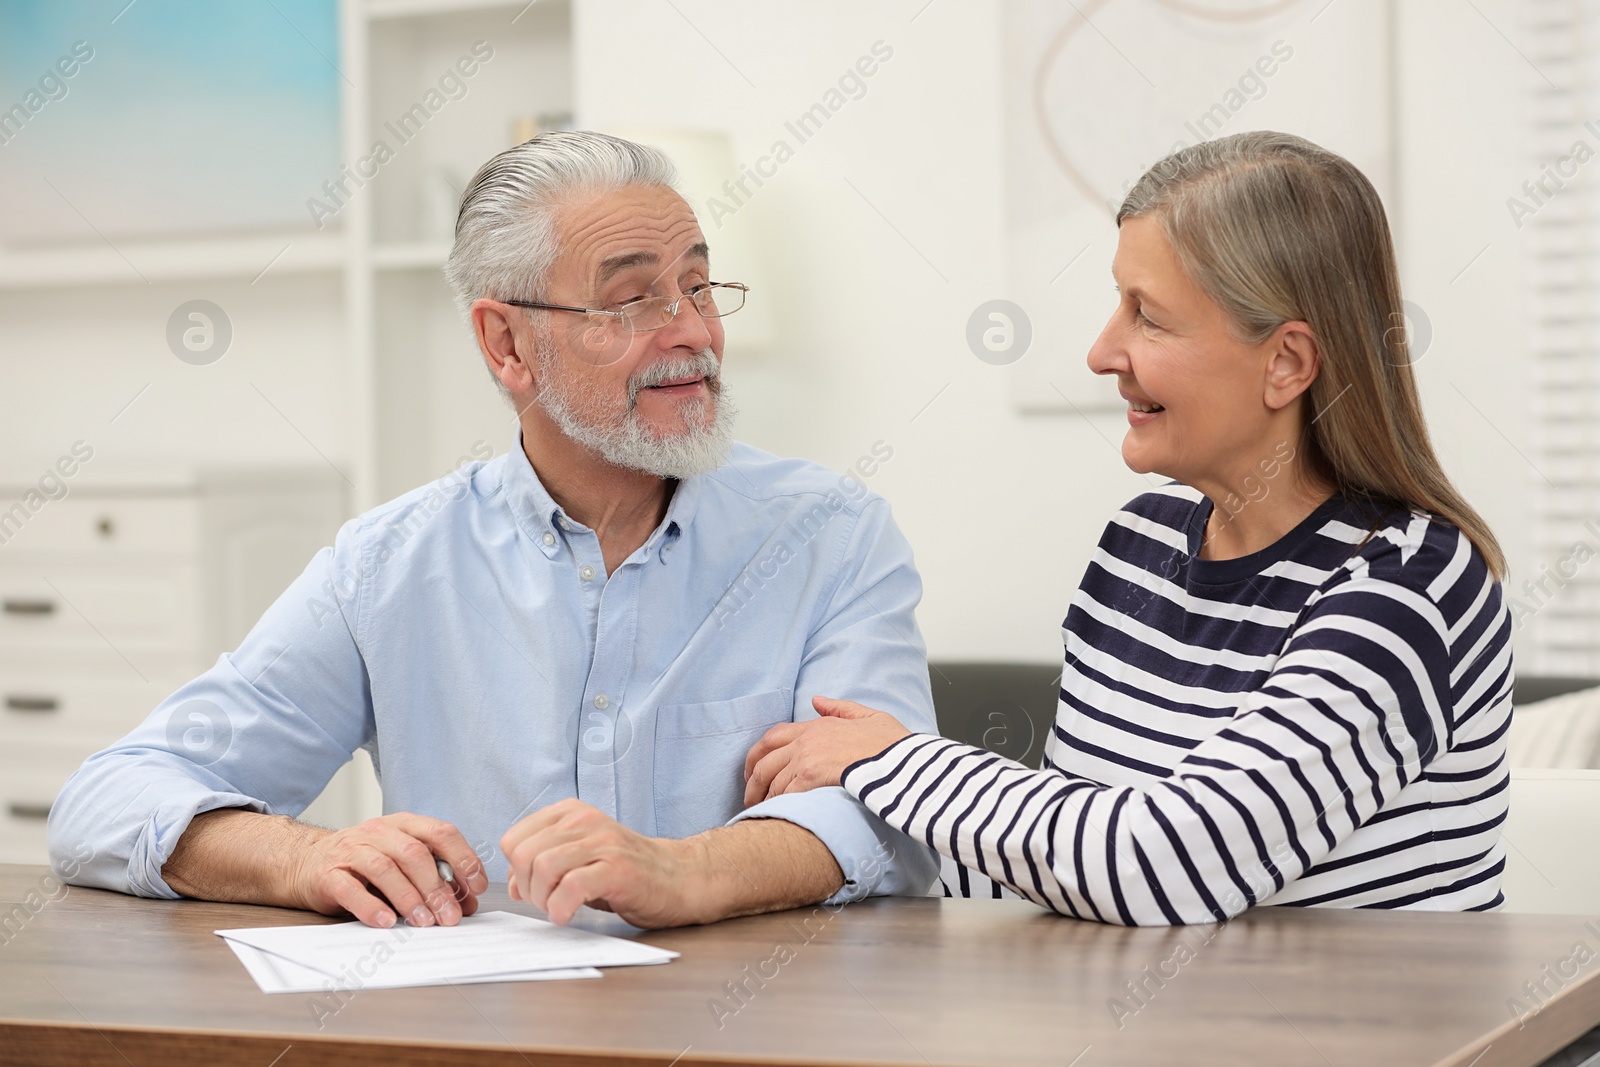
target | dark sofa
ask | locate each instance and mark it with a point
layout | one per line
(1009, 707)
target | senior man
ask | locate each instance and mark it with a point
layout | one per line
(568, 649)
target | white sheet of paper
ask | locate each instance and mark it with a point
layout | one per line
(492, 946)
(274, 974)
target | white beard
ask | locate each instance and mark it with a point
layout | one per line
(628, 441)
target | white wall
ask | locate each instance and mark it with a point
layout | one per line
(1003, 508)
(1463, 112)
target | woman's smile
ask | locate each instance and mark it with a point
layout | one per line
(1141, 412)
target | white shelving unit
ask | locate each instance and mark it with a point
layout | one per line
(359, 308)
(249, 257)
(410, 255)
(427, 399)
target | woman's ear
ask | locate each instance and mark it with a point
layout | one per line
(1294, 361)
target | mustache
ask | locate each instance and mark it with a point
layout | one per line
(701, 365)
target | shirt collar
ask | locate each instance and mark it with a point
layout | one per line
(541, 518)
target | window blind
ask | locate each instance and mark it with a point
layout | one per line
(1557, 211)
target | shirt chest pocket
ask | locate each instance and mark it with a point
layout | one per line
(699, 758)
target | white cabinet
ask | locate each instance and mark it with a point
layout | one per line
(117, 594)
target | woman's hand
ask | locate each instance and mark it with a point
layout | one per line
(795, 756)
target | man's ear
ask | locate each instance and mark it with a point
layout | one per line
(1293, 363)
(497, 340)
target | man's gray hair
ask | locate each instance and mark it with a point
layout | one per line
(506, 229)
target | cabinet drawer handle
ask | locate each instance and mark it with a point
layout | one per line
(24, 810)
(29, 607)
(20, 703)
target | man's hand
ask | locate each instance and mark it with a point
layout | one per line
(345, 870)
(795, 756)
(571, 854)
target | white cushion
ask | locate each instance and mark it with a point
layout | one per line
(1552, 865)
(1562, 731)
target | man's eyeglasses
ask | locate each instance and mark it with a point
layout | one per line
(713, 300)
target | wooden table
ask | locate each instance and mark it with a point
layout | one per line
(97, 978)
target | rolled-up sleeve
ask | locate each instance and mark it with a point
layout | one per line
(866, 648)
(264, 729)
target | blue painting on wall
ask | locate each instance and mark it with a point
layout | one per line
(164, 117)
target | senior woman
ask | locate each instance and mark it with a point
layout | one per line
(1288, 673)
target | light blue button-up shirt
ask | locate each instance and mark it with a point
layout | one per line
(467, 636)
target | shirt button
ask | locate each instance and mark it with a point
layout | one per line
(549, 539)
(586, 572)
(602, 702)
(565, 525)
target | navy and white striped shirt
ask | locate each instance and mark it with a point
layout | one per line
(1319, 723)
